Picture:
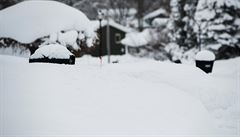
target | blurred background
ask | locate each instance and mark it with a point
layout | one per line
(172, 30)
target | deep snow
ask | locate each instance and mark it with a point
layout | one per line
(135, 97)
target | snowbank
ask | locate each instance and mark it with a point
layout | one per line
(30, 20)
(53, 51)
(205, 55)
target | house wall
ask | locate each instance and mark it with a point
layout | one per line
(116, 48)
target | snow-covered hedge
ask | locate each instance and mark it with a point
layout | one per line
(16, 49)
(54, 21)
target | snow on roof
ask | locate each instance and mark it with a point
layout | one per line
(95, 24)
(135, 24)
(51, 51)
(137, 39)
(155, 13)
(205, 55)
(30, 20)
(117, 11)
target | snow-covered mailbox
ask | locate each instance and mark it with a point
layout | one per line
(205, 60)
(54, 53)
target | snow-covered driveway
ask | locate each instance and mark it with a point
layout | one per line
(134, 97)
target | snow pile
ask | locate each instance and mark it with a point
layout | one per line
(205, 55)
(53, 51)
(137, 39)
(31, 20)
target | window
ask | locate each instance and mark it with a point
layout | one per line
(118, 38)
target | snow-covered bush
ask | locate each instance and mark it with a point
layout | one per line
(46, 22)
(218, 26)
(175, 52)
(137, 39)
(16, 48)
(148, 43)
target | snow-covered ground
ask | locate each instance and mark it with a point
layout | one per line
(134, 97)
